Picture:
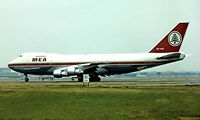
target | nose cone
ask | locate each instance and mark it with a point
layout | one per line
(9, 65)
(12, 63)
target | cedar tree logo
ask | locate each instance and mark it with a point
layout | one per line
(174, 38)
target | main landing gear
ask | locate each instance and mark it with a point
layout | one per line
(80, 78)
(94, 78)
(26, 78)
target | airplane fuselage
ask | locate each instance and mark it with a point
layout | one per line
(108, 64)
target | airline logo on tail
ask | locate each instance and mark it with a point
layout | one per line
(175, 38)
(172, 41)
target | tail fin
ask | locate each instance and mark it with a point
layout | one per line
(172, 41)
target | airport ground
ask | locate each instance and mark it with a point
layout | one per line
(112, 99)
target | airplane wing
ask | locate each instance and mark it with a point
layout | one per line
(76, 69)
(87, 66)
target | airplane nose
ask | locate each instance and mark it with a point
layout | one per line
(10, 65)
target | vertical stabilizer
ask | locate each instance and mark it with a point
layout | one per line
(172, 41)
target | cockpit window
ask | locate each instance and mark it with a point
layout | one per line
(20, 55)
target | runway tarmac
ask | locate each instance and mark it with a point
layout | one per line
(109, 82)
(134, 80)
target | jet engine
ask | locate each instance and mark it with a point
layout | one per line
(67, 71)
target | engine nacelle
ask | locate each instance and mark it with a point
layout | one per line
(67, 71)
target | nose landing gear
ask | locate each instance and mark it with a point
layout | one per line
(26, 78)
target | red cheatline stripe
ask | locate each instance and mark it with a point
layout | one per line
(63, 64)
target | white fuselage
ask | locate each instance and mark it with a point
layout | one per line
(45, 58)
(46, 63)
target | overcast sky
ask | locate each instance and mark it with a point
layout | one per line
(97, 26)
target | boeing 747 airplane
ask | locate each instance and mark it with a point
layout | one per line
(95, 65)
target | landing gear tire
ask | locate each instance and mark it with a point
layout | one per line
(95, 78)
(98, 79)
(26, 79)
(80, 78)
